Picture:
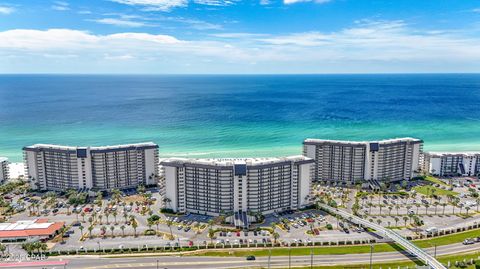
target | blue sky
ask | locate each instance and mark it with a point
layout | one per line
(234, 36)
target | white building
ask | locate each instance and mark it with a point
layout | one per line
(453, 163)
(4, 171)
(225, 186)
(356, 161)
(54, 167)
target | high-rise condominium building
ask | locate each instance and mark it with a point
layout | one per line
(453, 163)
(53, 167)
(218, 186)
(352, 161)
(4, 172)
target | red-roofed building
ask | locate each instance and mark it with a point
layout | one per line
(29, 229)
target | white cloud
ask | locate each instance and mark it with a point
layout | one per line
(476, 10)
(4, 10)
(215, 2)
(380, 46)
(61, 6)
(162, 5)
(167, 5)
(120, 22)
(288, 2)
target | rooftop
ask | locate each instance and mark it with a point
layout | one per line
(61, 147)
(25, 228)
(385, 141)
(3, 159)
(233, 161)
(465, 153)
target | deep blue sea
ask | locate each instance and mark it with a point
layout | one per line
(237, 116)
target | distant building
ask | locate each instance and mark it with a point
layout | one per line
(453, 163)
(37, 229)
(53, 167)
(4, 171)
(218, 186)
(356, 161)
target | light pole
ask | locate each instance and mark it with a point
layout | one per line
(371, 256)
(311, 258)
(269, 256)
(157, 264)
(289, 257)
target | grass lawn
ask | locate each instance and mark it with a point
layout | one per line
(403, 264)
(427, 190)
(435, 180)
(339, 250)
(303, 251)
(447, 239)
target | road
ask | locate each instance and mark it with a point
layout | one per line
(188, 262)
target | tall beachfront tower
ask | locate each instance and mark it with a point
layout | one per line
(356, 161)
(452, 163)
(4, 172)
(54, 167)
(224, 186)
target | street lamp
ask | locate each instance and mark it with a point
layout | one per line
(371, 256)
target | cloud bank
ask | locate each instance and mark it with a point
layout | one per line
(367, 46)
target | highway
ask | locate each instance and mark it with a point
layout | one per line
(204, 262)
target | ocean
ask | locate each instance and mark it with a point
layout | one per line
(237, 115)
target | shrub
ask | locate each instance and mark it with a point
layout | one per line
(329, 226)
(167, 210)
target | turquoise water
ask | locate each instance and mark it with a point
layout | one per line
(237, 116)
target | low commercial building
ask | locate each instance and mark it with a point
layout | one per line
(58, 168)
(453, 163)
(356, 161)
(224, 186)
(38, 229)
(4, 171)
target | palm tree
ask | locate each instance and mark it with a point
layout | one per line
(275, 237)
(397, 207)
(125, 216)
(380, 206)
(112, 228)
(436, 205)
(169, 224)
(454, 204)
(405, 218)
(115, 216)
(83, 216)
(444, 205)
(426, 208)
(123, 230)
(134, 226)
(379, 221)
(461, 207)
(396, 221)
(408, 208)
(157, 222)
(418, 206)
(107, 214)
(90, 228)
(370, 208)
(81, 230)
(2, 249)
(467, 208)
(100, 217)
